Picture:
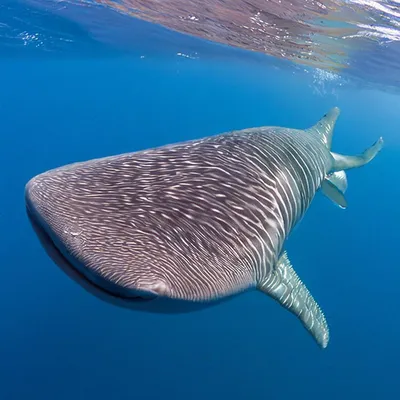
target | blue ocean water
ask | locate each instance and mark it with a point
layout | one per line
(59, 342)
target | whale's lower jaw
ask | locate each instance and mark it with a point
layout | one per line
(63, 262)
(152, 304)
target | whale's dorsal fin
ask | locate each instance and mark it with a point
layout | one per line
(284, 285)
(325, 126)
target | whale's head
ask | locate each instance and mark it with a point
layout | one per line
(79, 220)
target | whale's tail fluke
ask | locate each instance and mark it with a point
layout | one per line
(343, 162)
(283, 283)
(325, 126)
(335, 184)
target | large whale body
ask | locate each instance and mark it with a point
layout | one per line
(190, 224)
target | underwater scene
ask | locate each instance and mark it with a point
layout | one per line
(200, 199)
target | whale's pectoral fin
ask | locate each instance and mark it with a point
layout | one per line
(334, 187)
(284, 285)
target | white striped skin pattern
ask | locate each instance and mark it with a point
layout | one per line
(197, 221)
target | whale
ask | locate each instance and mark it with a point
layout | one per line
(189, 225)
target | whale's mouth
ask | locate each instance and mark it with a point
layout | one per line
(107, 292)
